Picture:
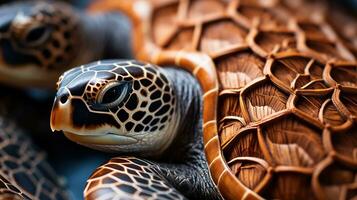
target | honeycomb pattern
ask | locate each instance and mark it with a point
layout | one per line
(143, 105)
(129, 178)
(24, 173)
(287, 98)
(266, 27)
(147, 85)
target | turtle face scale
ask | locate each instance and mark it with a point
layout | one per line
(36, 38)
(124, 106)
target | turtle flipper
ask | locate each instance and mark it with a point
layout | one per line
(24, 171)
(9, 191)
(129, 178)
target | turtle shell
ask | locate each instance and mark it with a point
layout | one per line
(279, 83)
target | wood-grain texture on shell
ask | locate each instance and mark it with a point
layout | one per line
(286, 91)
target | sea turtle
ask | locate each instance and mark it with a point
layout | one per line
(275, 113)
(24, 170)
(45, 39)
(37, 41)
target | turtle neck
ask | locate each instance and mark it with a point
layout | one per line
(187, 149)
(188, 100)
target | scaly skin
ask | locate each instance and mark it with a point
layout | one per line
(278, 85)
(180, 168)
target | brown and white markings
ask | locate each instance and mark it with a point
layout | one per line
(130, 107)
(129, 178)
(107, 103)
(279, 84)
(24, 172)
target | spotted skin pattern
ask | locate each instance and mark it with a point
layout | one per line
(39, 32)
(129, 178)
(134, 114)
(24, 173)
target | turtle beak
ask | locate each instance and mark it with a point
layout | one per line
(61, 114)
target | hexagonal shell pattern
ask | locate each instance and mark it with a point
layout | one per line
(279, 84)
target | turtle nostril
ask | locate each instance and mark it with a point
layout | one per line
(63, 99)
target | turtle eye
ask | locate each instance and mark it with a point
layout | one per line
(37, 35)
(112, 94)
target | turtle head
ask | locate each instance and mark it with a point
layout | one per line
(115, 105)
(36, 42)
